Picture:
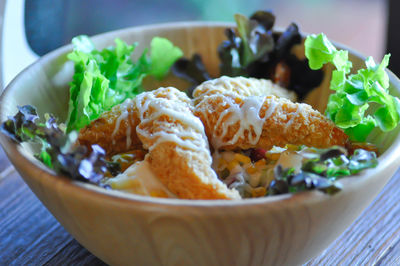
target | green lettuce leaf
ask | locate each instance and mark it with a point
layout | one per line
(106, 78)
(350, 106)
(319, 51)
(164, 54)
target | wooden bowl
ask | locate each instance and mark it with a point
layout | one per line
(126, 229)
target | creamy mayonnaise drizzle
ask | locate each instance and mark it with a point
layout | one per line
(168, 117)
(247, 116)
(187, 132)
(240, 86)
(165, 116)
(123, 116)
(290, 122)
(140, 179)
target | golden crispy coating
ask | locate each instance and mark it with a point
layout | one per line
(235, 113)
(162, 121)
(249, 122)
(187, 174)
(114, 131)
(178, 147)
(234, 86)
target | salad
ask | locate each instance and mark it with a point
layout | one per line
(243, 134)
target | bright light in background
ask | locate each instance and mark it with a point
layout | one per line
(16, 54)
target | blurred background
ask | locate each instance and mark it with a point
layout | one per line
(49, 24)
(357, 23)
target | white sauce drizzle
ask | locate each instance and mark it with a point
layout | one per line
(124, 115)
(290, 122)
(271, 109)
(187, 132)
(248, 117)
(240, 86)
(169, 111)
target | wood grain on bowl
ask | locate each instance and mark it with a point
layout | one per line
(129, 229)
(30, 235)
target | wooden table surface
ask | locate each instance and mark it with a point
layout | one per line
(29, 234)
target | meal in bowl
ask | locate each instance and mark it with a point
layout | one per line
(237, 137)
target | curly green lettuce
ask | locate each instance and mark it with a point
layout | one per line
(352, 106)
(106, 78)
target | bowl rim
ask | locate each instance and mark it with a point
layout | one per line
(386, 159)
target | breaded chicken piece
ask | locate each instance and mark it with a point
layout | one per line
(114, 131)
(264, 122)
(234, 86)
(178, 147)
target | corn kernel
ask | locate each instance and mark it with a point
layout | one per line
(273, 156)
(242, 158)
(251, 169)
(232, 165)
(292, 147)
(258, 192)
(260, 163)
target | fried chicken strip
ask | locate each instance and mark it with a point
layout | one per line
(178, 152)
(234, 86)
(178, 147)
(114, 131)
(264, 122)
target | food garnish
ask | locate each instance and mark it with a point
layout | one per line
(320, 169)
(106, 78)
(191, 70)
(254, 50)
(361, 101)
(58, 149)
(257, 172)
